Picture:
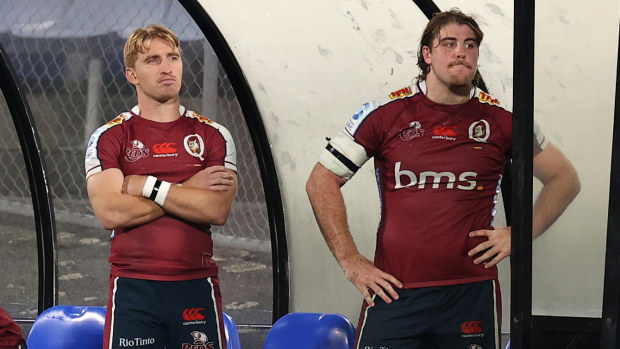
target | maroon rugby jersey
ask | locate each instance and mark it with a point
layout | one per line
(438, 169)
(167, 248)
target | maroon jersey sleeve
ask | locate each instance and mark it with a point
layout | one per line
(105, 146)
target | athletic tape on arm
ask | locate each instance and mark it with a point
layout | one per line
(156, 189)
(343, 156)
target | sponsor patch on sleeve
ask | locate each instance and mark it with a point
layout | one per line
(486, 98)
(403, 92)
(357, 119)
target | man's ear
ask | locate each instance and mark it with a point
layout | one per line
(426, 53)
(131, 76)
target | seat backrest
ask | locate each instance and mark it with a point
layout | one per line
(311, 331)
(68, 327)
(231, 332)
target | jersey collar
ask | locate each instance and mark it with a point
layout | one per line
(136, 110)
(422, 88)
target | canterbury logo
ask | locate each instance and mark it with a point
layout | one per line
(444, 131)
(165, 148)
(193, 314)
(471, 327)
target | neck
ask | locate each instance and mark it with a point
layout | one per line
(439, 92)
(157, 111)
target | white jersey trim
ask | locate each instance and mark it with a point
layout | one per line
(92, 164)
(540, 136)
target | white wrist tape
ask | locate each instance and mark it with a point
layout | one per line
(156, 189)
(162, 192)
(148, 186)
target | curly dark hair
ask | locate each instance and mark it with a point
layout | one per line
(431, 32)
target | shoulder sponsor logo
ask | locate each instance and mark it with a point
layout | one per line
(201, 118)
(165, 150)
(194, 146)
(444, 132)
(357, 118)
(403, 92)
(200, 341)
(486, 98)
(479, 131)
(136, 152)
(414, 130)
(117, 120)
(405, 179)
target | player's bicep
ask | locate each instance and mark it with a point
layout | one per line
(549, 163)
(103, 183)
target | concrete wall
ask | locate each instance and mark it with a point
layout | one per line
(311, 64)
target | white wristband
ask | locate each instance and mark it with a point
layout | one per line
(156, 189)
(147, 189)
(162, 193)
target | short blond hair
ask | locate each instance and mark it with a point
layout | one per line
(140, 40)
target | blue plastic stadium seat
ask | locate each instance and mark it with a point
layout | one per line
(311, 331)
(68, 327)
(232, 335)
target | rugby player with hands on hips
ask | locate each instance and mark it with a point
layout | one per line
(439, 147)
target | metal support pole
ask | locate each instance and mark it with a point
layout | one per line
(522, 151)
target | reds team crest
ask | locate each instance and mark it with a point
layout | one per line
(200, 341)
(414, 130)
(136, 152)
(479, 131)
(195, 146)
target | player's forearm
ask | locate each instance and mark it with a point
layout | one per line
(200, 206)
(553, 199)
(118, 210)
(115, 209)
(329, 209)
(205, 199)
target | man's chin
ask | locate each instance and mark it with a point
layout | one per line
(462, 81)
(167, 98)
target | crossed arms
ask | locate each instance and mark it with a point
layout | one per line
(205, 198)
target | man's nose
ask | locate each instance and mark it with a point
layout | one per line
(166, 66)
